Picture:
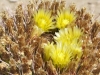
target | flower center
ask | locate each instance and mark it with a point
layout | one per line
(65, 22)
(43, 22)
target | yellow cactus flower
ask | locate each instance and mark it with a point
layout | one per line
(43, 20)
(71, 38)
(68, 35)
(58, 54)
(64, 18)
